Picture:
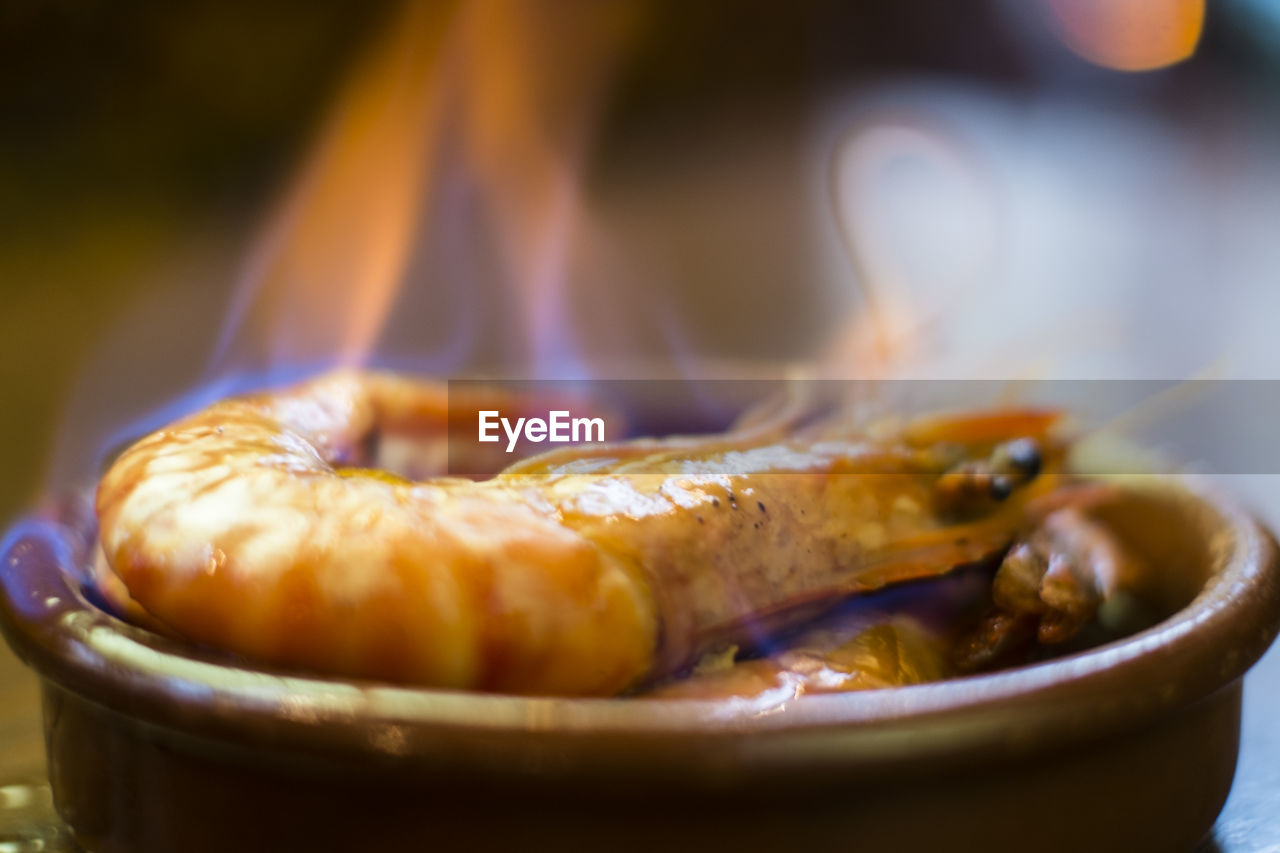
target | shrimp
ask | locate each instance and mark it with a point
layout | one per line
(257, 526)
(1052, 582)
(1047, 587)
(892, 652)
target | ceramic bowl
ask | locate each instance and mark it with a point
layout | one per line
(157, 746)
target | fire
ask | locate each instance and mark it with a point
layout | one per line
(328, 266)
(498, 95)
(533, 75)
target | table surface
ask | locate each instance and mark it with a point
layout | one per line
(1250, 822)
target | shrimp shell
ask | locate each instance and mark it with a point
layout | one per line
(243, 527)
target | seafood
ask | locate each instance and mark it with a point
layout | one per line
(1050, 584)
(891, 653)
(263, 526)
(894, 637)
(1046, 590)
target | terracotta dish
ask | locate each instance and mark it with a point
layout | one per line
(156, 746)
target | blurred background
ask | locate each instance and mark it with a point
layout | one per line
(982, 189)
(1047, 189)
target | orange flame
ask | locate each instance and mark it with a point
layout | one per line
(326, 271)
(527, 133)
(515, 82)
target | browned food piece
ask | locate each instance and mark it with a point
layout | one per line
(891, 652)
(1049, 586)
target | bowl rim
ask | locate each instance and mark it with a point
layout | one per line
(1203, 647)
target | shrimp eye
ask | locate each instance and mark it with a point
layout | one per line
(1024, 456)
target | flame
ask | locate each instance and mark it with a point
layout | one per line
(1129, 35)
(527, 134)
(511, 85)
(325, 273)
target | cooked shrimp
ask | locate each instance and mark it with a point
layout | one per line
(892, 651)
(1051, 583)
(247, 527)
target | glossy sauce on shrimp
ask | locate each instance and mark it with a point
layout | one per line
(254, 527)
